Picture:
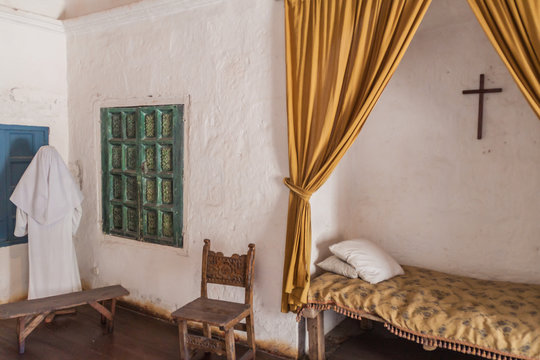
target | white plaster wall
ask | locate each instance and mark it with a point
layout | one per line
(33, 91)
(418, 182)
(225, 62)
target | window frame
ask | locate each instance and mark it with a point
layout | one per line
(138, 209)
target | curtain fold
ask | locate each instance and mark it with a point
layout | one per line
(340, 55)
(513, 27)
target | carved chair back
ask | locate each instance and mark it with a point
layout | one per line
(235, 270)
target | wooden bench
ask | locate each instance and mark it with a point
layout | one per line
(30, 313)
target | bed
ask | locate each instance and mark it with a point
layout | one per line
(492, 319)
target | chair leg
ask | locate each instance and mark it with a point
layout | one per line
(250, 333)
(207, 331)
(182, 334)
(229, 344)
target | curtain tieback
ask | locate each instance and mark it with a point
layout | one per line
(301, 193)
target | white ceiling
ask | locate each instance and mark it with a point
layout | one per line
(68, 9)
(64, 9)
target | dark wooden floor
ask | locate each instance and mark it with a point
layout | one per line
(80, 337)
(138, 337)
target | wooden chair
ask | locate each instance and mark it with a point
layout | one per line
(236, 270)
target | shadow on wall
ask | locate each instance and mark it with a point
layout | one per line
(18, 273)
(276, 221)
(322, 246)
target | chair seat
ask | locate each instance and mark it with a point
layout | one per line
(214, 312)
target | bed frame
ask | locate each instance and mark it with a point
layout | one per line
(499, 319)
(315, 328)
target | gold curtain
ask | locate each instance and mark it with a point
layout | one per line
(513, 27)
(340, 55)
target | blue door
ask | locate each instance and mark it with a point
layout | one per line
(18, 145)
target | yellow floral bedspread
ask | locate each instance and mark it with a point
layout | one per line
(500, 317)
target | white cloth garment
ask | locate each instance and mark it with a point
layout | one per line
(49, 209)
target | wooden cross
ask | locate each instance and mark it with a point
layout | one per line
(481, 92)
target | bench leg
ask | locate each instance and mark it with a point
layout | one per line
(110, 323)
(103, 318)
(21, 322)
(106, 313)
(25, 325)
(315, 325)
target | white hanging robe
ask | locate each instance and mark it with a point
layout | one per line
(49, 209)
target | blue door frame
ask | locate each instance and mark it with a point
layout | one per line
(18, 145)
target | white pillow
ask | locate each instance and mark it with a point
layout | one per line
(371, 262)
(335, 265)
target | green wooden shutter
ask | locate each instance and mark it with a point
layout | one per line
(142, 164)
